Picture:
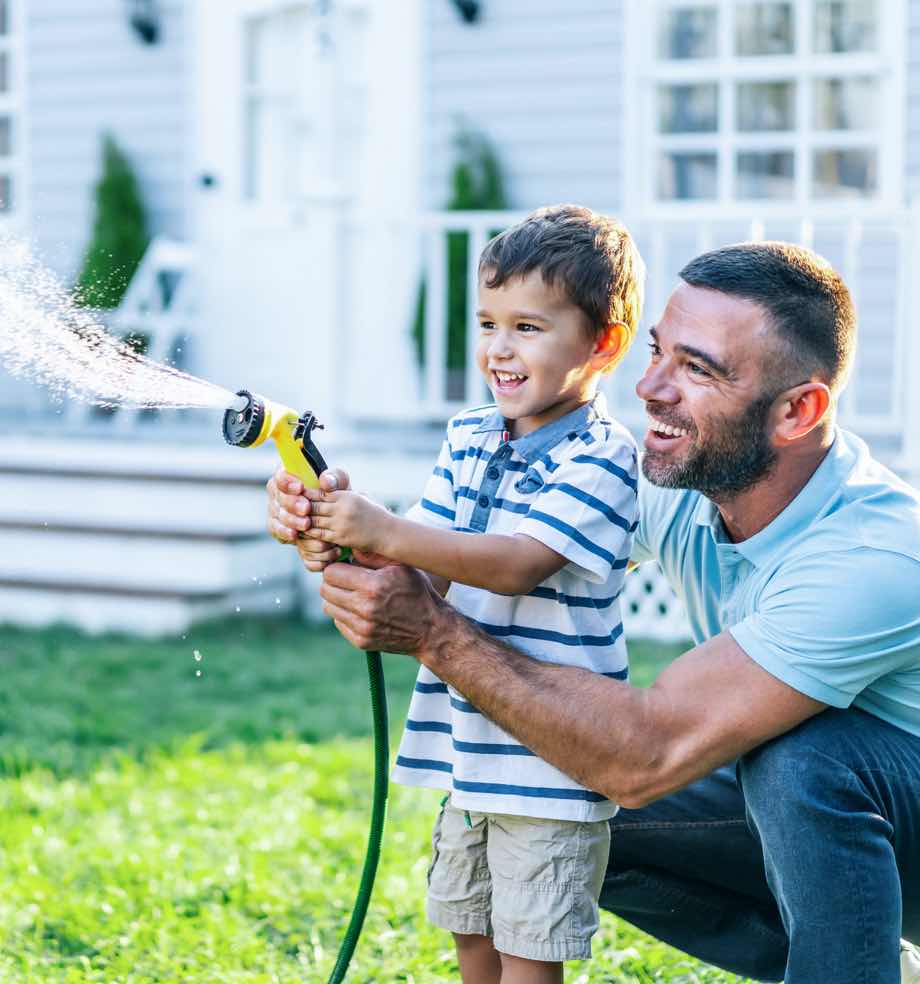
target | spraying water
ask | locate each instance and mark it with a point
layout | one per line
(46, 337)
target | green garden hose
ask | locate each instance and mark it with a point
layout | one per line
(248, 423)
(378, 816)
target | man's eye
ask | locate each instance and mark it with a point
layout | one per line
(697, 369)
(654, 348)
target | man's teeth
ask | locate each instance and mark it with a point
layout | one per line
(659, 428)
(508, 377)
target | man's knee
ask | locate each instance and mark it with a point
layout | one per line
(797, 768)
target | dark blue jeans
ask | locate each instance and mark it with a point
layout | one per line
(799, 863)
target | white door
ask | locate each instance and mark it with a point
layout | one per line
(269, 198)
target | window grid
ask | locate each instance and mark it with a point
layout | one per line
(800, 67)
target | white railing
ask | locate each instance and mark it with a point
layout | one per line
(877, 254)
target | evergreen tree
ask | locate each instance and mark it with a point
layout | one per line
(119, 232)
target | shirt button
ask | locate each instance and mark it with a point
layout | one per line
(492, 473)
(483, 500)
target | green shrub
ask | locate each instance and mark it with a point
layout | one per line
(119, 236)
(476, 184)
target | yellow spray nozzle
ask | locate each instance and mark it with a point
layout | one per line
(251, 421)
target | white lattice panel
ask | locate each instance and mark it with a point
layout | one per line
(650, 608)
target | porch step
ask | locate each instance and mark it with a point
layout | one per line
(124, 536)
(149, 538)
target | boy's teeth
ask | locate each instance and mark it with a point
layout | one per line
(507, 377)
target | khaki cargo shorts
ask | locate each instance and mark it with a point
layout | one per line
(532, 885)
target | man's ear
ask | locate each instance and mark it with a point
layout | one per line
(800, 409)
(610, 346)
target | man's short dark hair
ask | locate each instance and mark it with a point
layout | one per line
(591, 257)
(806, 300)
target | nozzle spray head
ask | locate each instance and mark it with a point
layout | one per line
(243, 419)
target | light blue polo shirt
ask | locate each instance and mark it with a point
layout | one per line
(826, 597)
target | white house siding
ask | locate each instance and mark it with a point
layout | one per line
(88, 73)
(912, 96)
(543, 80)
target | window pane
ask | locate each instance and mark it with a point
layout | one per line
(765, 106)
(687, 176)
(4, 71)
(688, 108)
(6, 136)
(845, 173)
(765, 174)
(764, 29)
(846, 25)
(6, 193)
(4, 17)
(689, 32)
(846, 104)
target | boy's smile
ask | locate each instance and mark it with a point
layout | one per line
(536, 351)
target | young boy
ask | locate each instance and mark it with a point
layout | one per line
(547, 482)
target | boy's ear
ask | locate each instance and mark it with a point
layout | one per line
(610, 346)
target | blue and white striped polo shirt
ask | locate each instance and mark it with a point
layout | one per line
(571, 485)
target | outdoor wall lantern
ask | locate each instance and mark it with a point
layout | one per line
(469, 10)
(144, 18)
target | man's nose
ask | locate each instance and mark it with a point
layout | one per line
(656, 386)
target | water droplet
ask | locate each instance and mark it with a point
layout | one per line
(277, 601)
(237, 607)
(197, 672)
(198, 656)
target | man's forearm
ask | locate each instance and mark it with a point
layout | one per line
(708, 707)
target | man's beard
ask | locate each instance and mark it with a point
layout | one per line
(736, 457)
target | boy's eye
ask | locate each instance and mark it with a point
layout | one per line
(526, 327)
(486, 325)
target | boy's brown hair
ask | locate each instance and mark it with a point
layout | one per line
(590, 256)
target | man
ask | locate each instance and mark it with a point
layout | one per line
(771, 775)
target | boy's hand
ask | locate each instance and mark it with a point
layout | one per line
(289, 514)
(348, 519)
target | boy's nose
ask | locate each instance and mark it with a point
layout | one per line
(500, 346)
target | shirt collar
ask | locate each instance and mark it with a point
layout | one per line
(531, 447)
(797, 516)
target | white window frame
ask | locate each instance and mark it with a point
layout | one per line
(13, 105)
(644, 71)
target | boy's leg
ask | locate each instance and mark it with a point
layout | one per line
(479, 961)
(519, 970)
(460, 890)
(546, 878)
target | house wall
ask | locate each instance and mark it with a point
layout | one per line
(912, 97)
(543, 80)
(87, 73)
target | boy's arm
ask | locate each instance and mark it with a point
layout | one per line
(505, 564)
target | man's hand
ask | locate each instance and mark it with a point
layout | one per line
(289, 514)
(393, 608)
(349, 519)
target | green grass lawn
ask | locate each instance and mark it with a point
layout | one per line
(159, 826)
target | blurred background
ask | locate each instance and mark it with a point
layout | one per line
(290, 197)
